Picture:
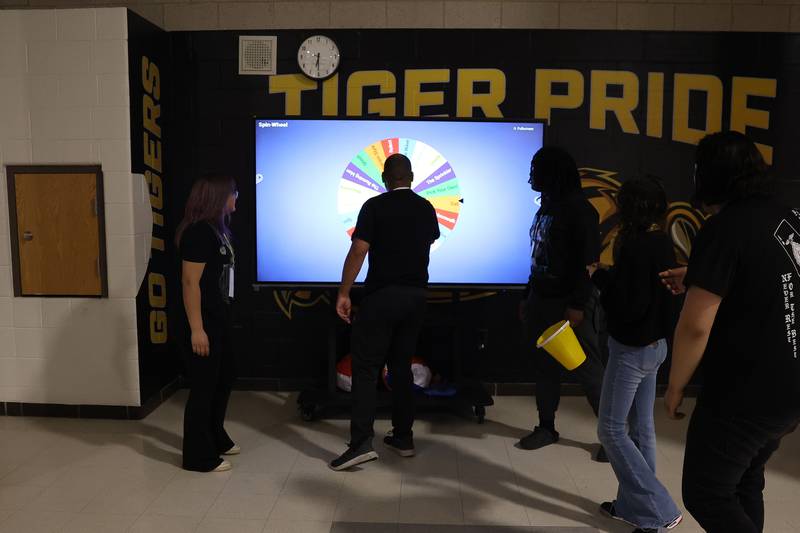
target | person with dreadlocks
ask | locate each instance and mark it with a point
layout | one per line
(640, 317)
(565, 240)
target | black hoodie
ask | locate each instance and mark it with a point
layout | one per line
(565, 238)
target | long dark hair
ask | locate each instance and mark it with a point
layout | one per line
(642, 206)
(729, 167)
(206, 203)
(557, 171)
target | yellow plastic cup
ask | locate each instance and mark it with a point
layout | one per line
(560, 341)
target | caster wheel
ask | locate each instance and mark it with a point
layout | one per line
(308, 412)
(480, 413)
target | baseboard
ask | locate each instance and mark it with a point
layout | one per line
(151, 404)
(113, 412)
(132, 412)
(567, 389)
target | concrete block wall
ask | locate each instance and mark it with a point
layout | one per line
(662, 15)
(64, 98)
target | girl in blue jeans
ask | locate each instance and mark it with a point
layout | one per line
(640, 314)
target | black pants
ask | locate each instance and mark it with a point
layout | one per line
(543, 313)
(385, 331)
(723, 469)
(212, 377)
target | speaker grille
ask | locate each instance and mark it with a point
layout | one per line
(257, 54)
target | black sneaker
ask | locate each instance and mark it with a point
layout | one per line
(675, 523)
(354, 456)
(601, 456)
(540, 438)
(607, 509)
(402, 447)
(671, 525)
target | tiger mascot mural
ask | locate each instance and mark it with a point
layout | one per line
(287, 300)
(601, 187)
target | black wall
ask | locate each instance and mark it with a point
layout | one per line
(212, 127)
(150, 80)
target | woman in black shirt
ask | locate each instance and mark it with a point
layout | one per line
(207, 268)
(639, 320)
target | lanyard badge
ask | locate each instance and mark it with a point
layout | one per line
(226, 279)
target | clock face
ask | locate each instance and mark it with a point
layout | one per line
(318, 57)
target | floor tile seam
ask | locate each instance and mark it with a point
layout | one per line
(518, 475)
(274, 504)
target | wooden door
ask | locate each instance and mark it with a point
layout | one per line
(58, 231)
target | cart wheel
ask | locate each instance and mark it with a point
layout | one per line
(480, 413)
(308, 412)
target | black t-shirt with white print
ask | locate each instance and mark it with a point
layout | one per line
(749, 254)
(200, 243)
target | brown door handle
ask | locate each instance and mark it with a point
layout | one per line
(27, 236)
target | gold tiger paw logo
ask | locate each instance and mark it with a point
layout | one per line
(601, 187)
(683, 223)
(287, 300)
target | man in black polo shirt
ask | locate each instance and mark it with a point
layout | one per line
(739, 319)
(396, 229)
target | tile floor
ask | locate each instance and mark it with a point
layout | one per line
(86, 476)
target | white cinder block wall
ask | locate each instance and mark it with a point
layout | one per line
(666, 15)
(64, 98)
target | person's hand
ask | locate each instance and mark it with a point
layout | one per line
(575, 317)
(200, 344)
(673, 280)
(344, 307)
(673, 399)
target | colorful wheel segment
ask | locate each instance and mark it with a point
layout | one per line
(434, 179)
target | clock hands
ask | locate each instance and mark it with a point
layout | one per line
(310, 57)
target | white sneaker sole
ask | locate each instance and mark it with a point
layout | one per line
(672, 525)
(235, 450)
(360, 459)
(675, 523)
(224, 466)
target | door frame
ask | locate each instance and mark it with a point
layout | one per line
(11, 175)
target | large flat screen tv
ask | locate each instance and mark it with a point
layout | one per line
(312, 177)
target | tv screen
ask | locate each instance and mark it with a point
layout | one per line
(313, 176)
